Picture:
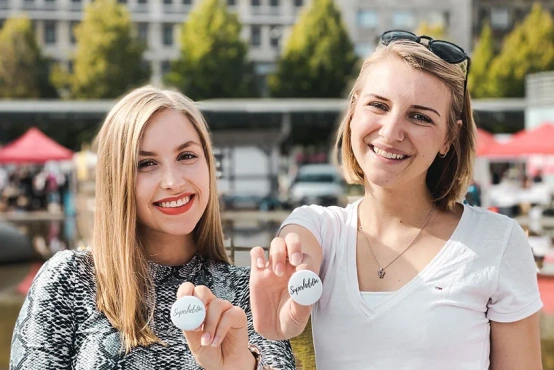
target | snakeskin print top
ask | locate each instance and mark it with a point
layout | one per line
(59, 326)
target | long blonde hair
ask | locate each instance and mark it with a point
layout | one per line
(448, 177)
(121, 267)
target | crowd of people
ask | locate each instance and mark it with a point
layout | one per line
(34, 188)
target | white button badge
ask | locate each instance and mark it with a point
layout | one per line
(188, 313)
(305, 287)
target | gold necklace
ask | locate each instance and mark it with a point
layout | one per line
(381, 271)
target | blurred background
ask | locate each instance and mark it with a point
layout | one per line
(271, 77)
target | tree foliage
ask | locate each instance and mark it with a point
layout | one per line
(479, 81)
(318, 58)
(529, 48)
(108, 58)
(21, 63)
(213, 59)
(435, 31)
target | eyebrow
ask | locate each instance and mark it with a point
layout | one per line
(421, 107)
(179, 148)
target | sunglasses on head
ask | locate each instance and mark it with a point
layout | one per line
(447, 51)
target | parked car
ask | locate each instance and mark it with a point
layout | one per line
(320, 184)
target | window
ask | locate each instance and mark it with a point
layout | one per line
(122, 1)
(255, 2)
(274, 3)
(256, 36)
(298, 3)
(403, 19)
(275, 36)
(231, 2)
(368, 19)
(49, 32)
(166, 67)
(363, 49)
(145, 66)
(500, 18)
(168, 2)
(72, 26)
(142, 1)
(187, 2)
(142, 32)
(2, 23)
(438, 18)
(168, 34)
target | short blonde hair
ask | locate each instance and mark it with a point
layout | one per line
(121, 268)
(448, 177)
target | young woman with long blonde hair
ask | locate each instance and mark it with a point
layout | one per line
(157, 236)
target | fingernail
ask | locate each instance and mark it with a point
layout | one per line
(205, 340)
(260, 263)
(215, 342)
(279, 269)
(295, 259)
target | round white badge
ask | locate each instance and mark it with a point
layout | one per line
(305, 287)
(188, 313)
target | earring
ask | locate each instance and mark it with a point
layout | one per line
(445, 153)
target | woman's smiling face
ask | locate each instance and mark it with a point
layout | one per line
(399, 123)
(173, 182)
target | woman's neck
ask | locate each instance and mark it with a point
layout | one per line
(383, 209)
(170, 250)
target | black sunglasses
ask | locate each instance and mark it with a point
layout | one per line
(447, 51)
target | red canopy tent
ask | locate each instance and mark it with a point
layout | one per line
(539, 140)
(484, 141)
(34, 147)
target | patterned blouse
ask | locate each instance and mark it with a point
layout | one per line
(59, 326)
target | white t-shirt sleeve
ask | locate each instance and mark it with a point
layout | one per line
(517, 294)
(309, 217)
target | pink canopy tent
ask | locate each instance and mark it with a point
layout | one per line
(537, 141)
(484, 141)
(34, 147)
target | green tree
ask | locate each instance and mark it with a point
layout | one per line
(479, 82)
(318, 58)
(108, 58)
(21, 63)
(213, 59)
(435, 31)
(529, 48)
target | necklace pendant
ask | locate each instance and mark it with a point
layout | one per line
(381, 273)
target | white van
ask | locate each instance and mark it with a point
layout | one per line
(320, 184)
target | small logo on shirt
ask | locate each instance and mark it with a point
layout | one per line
(438, 287)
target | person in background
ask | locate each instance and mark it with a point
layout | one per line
(157, 236)
(412, 278)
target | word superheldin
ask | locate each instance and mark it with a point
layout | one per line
(306, 284)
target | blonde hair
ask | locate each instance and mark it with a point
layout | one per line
(121, 266)
(448, 177)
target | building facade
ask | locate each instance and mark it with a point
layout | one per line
(367, 20)
(266, 24)
(503, 16)
(158, 22)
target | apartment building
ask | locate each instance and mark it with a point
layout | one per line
(502, 15)
(266, 24)
(366, 19)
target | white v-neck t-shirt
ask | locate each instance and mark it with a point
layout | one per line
(440, 319)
